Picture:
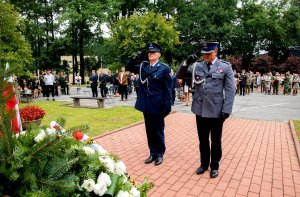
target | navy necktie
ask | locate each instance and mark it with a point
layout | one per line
(208, 65)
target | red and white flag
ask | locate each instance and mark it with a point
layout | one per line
(12, 105)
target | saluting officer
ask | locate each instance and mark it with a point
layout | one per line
(153, 99)
(212, 102)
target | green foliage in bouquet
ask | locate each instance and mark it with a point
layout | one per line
(51, 162)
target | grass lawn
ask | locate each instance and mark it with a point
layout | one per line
(297, 128)
(100, 121)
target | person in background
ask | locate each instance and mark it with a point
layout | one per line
(238, 83)
(248, 84)
(258, 81)
(186, 82)
(136, 83)
(67, 84)
(55, 83)
(129, 85)
(78, 82)
(94, 83)
(275, 83)
(42, 83)
(243, 82)
(62, 82)
(49, 81)
(34, 86)
(103, 78)
(296, 81)
(115, 82)
(174, 85)
(123, 82)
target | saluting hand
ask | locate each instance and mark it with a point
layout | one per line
(192, 58)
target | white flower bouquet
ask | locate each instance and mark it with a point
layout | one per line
(58, 162)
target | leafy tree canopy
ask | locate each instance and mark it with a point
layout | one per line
(131, 35)
(14, 48)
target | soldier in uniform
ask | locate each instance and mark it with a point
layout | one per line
(275, 82)
(153, 99)
(287, 83)
(212, 102)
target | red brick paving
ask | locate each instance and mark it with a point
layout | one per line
(259, 159)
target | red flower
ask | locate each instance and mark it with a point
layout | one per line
(30, 113)
(56, 127)
(78, 135)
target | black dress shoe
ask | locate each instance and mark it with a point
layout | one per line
(150, 159)
(214, 173)
(158, 161)
(201, 170)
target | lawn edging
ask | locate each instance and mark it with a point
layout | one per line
(123, 128)
(295, 138)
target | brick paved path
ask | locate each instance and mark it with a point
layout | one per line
(259, 159)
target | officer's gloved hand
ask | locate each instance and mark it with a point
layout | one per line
(191, 59)
(133, 59)
(223, 116)
(142, 56)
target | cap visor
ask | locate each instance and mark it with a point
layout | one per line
(206, 52)
(153, 50)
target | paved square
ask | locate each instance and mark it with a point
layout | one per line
(259, 159)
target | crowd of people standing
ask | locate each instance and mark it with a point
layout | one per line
(121, 83)
(46, 85)
(267, 83)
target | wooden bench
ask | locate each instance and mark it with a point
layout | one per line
(76, 100)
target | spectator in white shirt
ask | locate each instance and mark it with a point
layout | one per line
(49, 80)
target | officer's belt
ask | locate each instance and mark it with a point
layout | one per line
(208, 76)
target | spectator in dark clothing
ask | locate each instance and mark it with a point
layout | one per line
(67, 84)
(62, 82)
(136, 83)
(115, 82)
(103, 78)
(174, 85)
(243, 82)
(94, 82)
(129, 86)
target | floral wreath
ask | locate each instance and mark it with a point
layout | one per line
(115, 181)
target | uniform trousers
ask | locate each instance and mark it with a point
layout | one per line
(155, 125)
(212, 126)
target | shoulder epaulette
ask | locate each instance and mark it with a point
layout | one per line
(225, 62)
(163, 64)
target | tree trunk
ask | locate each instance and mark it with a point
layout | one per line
(81, 53)
(74, 52)
(47, 35)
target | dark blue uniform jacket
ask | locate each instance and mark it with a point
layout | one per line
(154, 96)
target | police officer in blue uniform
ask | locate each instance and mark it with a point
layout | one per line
(214, 92)
(153, 98)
